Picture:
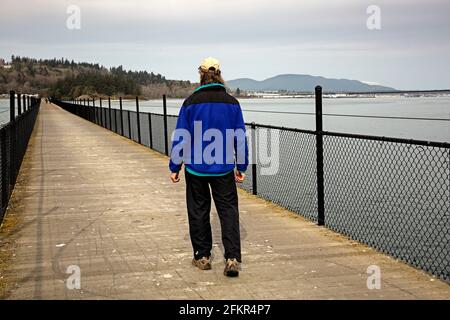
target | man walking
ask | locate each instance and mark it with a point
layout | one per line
(210, 140)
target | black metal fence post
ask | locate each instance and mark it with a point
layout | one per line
(109, 109)
(101, 113)
(121, 116)
(138, 120)
(254, 159)
(19, 104)
(319, 151)
(89, 110)
(166, 138)
(24, 102)
(12, 109)
(94, 112)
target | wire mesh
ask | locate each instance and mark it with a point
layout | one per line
(247, 183)
(108, 118)
(113, 120)
(119, 121)
(171, 126)
(158, 132)
(126, 128)
(392, 196)
(145, 129)
(104, 116)
(133, 121)
(286, 170)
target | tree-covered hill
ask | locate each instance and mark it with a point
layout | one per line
(63, 78)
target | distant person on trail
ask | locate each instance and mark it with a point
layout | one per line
(210, 140)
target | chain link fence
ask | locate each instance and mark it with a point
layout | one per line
(286, 169)
(391, 194)
(14, 137)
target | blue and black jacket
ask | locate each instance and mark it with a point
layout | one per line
(212, 107)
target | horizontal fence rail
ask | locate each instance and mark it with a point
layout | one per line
(392, 194)
(14, 137)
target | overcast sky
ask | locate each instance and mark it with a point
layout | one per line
(252, 38)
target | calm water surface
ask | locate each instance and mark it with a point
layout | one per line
(423, 107)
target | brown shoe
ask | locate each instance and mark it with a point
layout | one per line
(231, 268)
(203, 263)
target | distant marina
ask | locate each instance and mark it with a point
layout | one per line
(331, 95)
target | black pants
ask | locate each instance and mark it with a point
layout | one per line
(198, 198)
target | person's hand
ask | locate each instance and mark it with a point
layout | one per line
(175, 177)
(239, 176)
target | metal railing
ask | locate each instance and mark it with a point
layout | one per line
(389, 193)
(14, 137)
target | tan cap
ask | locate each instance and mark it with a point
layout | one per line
(209, 63)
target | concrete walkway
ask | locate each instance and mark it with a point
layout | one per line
(89, 198)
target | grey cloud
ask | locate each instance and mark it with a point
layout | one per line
(312, 36)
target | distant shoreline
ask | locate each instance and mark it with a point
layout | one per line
(271, 95)
(340, 95)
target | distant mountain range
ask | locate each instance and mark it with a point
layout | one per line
(305, 83)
